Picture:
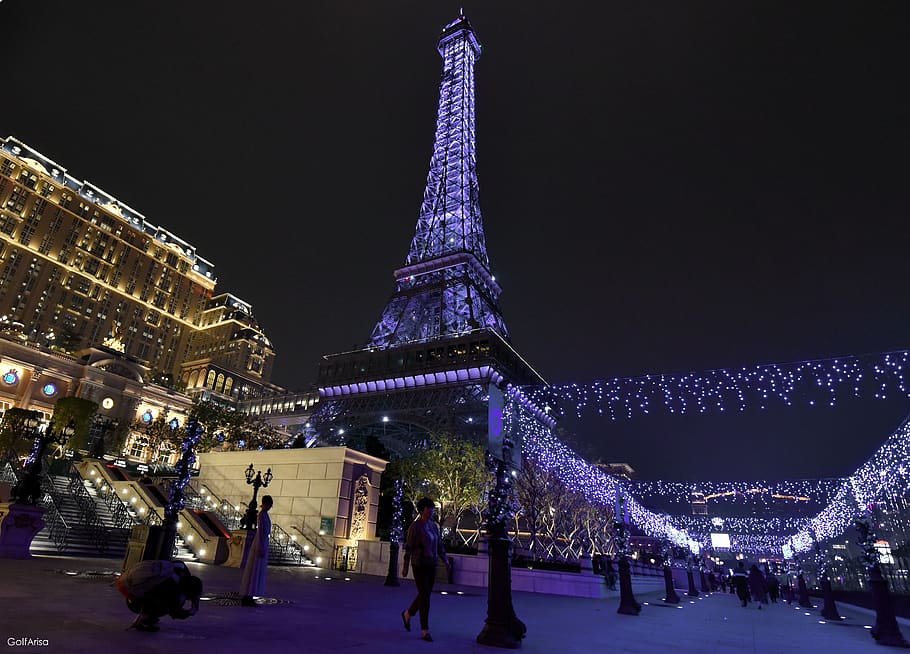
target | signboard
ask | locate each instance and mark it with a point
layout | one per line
(720, 541)
(327, 527)
(884, 552)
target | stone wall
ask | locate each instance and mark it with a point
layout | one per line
(308, 486)
(472, 570)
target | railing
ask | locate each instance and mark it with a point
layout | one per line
(281, 543)
(286, 546)
(99, 535)
(224, 510)
(316, 542)
(123, 514)
(56, 525)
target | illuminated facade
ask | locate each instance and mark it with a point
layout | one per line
(228, 357)
(79, 268)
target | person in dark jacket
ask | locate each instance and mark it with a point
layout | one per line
(422, 551)
(757, 585)
(773, 588)
(741, 583)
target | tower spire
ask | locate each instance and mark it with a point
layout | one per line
(445, 287)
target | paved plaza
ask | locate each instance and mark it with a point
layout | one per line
(73, 605)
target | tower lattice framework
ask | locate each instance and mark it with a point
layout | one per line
(445, 287)
(441, 339)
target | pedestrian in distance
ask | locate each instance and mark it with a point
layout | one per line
(757, 585)
(609, 573)
(773, 588)
(252, 581)
(423, 550)
(157, 588)
(741, 583)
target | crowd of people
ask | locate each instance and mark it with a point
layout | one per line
(757, 585)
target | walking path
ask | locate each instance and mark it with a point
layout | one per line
(73, 605)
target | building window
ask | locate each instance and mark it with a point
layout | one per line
(137, 449)
(17, 200)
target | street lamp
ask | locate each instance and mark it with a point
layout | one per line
(28, 489)
(257, 480)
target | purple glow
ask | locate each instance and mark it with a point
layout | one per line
(481, 373)
(446, 287)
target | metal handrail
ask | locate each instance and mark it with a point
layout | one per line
(55, 523)
(88, 511)
(315, 541)
(281, 540)
(231, 518)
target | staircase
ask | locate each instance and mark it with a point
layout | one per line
(83, 523)
(79, 523)
(283, 548)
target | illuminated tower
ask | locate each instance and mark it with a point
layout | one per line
(441, 339)
(445, 287)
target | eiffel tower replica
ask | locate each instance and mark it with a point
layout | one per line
(441, 340)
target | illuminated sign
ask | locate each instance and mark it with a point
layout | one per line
(720, 541)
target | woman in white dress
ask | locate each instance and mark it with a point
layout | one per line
(252, 581)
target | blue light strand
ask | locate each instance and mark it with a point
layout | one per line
(814, 383)
(887, 472)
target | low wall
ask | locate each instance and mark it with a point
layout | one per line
(472, 570)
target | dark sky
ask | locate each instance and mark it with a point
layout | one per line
(666, 186)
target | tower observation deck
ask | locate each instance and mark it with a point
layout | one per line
(441, 339)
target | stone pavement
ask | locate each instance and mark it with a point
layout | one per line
(73, 605)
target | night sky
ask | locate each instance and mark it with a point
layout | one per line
(666, 186)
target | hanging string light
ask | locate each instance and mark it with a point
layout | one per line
(886, 472)
(819, 382)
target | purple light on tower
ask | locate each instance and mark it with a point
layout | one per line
(445, 287)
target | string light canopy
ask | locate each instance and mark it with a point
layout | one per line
(817, 382)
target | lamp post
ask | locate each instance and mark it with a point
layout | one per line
(257, 480)
(671, 596)
(692, 592)
(628, 605)
(28, 489)
(177, 499)
(829, 610)
(502, 628)
(22, 518)
(396, 536)
(886, 630)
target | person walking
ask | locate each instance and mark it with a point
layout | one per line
(741, 583)
(773, 588)
(423, 549)
(757, 585)
(252, 581)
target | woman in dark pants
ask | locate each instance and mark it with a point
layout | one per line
(422, 551)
